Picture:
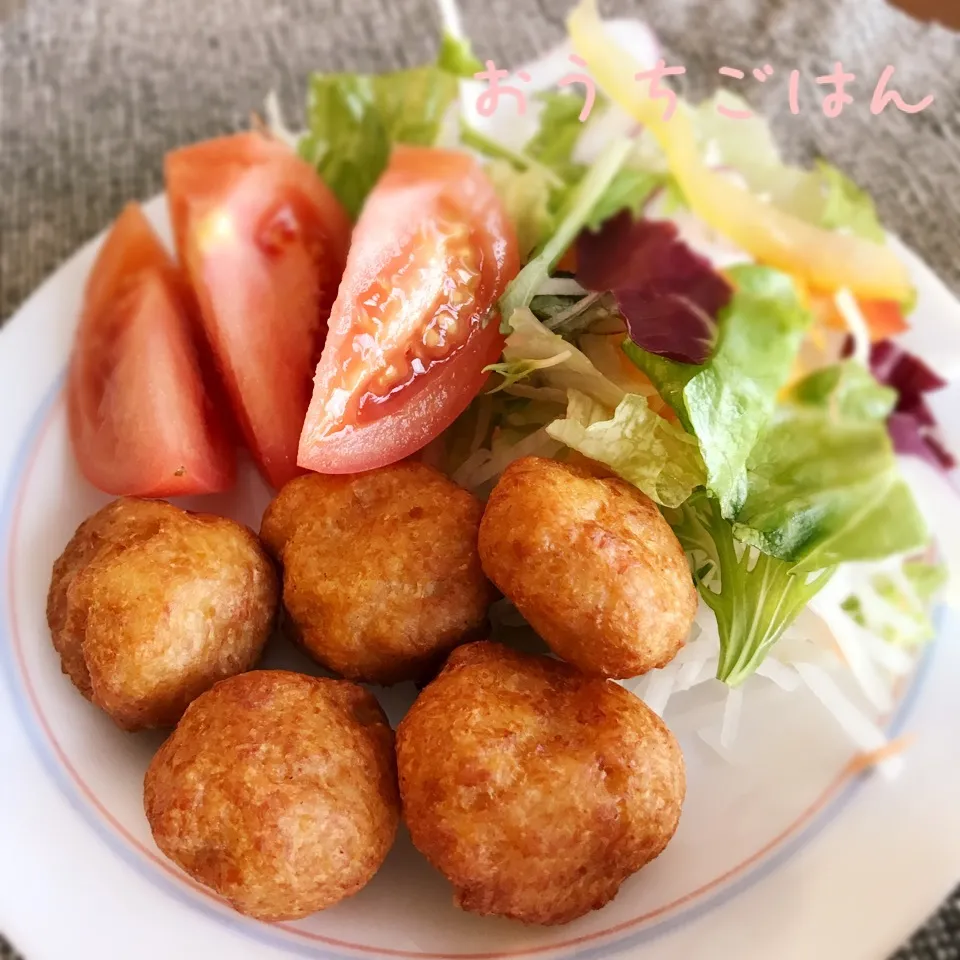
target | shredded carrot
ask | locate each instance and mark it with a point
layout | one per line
(870, 758)
(657, 404)
(884, 318)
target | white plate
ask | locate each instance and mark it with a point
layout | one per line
(784, 853)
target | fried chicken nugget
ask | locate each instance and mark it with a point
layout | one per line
(150, 605)
(381, 576)
(534, 789)
(278, 791)
(591, 564)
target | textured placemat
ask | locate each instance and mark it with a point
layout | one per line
(6, 949)
(93, 92)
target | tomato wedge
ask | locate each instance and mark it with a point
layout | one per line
(264, 242)
(414, 323)
(140, 420)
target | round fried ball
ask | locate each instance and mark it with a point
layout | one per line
(381, 576)
(278, 791)
(591, 564)
(150, 605)
(534, 789)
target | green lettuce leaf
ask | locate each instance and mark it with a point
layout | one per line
(526, 199)
(846, 206)
(456, 57)
(553, 146)
(346, 139)
(549, 197)
(927, 579)
(823, 196)
(845, 389)
(513, 371)
(577, 208)
(354, 119)
(534, 194)
(823, 488)
(754, 597)
(560, 129)
(727, 402)
(637, 444)
(629, 190)
(897, 608)
(549, 150)
(494, 150)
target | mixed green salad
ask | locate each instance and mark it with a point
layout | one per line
(698, 317)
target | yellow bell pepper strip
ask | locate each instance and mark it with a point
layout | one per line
(821, 258)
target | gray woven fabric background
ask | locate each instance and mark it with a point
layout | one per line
(93, 92)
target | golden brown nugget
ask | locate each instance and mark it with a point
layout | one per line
(381, 575)
(150, 605)
(534, 789)
(591, 564)
(278, 791)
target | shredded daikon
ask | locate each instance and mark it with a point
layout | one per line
(863, 731)
(804, 659)
(539, 443)
(858, 657)
(786, 678)
(856, 324)
(659, 689)
(482, 427)
(731, 717)
(689, 673)
(475, 462)
(894, 659)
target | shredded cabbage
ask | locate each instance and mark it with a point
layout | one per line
(531, 343)
(656, 456)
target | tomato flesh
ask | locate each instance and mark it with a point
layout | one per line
(414, 323)
(264, 242)
(141, 423)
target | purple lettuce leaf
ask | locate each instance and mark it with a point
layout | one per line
(912, 437)
(907, 374)
(668, 294)
(912, 426)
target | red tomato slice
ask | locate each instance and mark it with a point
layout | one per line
(264, 242)
(413, 325)
(140, 420)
